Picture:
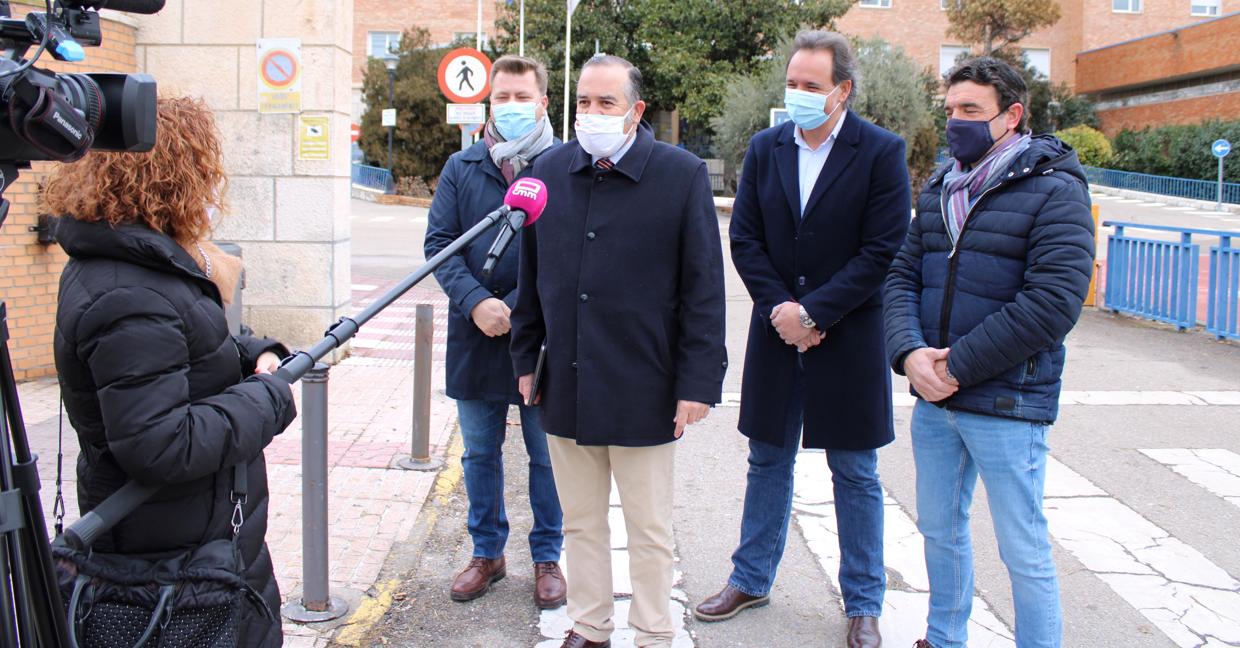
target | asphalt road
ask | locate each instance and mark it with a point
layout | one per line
(1111, 494)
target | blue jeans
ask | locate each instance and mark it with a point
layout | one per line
(484, 428)
(951, 448)
(768, 510)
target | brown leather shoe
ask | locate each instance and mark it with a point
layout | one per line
(477, 578)
(574, 640)
(550, 592)
(863, 633)
(726, 604)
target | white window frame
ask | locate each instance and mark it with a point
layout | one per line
(943, 70)
(1213, 8)
(391, 43)
(1039, 50)
(875, 4)
(1134, 7)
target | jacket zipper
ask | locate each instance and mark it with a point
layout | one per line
(949, 288)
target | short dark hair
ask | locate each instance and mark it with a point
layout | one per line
(520, 65)
(634, 91)
(842, 56)
(1005, 79)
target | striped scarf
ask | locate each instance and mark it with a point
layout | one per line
(962, 187)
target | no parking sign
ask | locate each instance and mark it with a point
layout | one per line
(279, 75)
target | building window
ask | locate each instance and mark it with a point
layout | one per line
(1208, 8)
(876, 4)
(1126, 6)
(1040, 60)
(384, 45)
(948, 54)
(943, 4)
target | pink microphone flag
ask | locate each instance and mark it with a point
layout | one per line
(530, 196)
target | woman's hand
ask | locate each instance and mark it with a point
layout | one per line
(267, 363)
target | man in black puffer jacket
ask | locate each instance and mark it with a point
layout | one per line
(158, 391)
(988, 284)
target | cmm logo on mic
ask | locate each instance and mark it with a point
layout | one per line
(526, 188)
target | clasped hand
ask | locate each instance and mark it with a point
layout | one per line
(491, 316)
(786, 318)
(926, 369)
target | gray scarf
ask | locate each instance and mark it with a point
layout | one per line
(521, 151)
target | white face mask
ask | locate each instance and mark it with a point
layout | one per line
(602, 135)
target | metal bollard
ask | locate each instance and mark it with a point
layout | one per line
(316, 602)
(424, 339)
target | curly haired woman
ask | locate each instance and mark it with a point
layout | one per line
(154, 385)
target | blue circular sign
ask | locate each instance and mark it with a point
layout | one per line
(1221, 148)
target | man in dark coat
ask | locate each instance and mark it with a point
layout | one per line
(988, 284)
(479, 368)
(622, 277)
(158, 391)
(822, 207)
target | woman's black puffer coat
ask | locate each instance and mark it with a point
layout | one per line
(158, 391)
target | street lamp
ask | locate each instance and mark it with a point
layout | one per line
(391, 70)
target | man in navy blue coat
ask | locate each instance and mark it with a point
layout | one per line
(479, 369)
(622, 278)
(821, 210)
(990, 280)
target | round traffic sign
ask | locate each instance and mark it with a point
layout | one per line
(465, 75)
(1220, 148)
(279, 69)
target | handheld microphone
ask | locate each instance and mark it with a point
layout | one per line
(127, 6)
(525, 202)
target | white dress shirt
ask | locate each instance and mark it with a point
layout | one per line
(811, 161)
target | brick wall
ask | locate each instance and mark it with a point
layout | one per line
(1191, 51)
(442, 18)
(30, 272)
(920, 28)
(1184, 111)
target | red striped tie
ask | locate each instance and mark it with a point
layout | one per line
(604, 164)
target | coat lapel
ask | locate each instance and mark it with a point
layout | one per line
(842, 153)
(786, 161)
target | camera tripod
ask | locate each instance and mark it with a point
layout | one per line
(31, 611)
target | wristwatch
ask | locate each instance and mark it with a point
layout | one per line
(806, 321)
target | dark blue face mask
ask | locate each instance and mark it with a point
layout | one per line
(968, 140)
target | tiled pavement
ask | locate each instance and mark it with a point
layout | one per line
(371, 506)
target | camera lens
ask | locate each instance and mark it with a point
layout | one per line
(84, 95)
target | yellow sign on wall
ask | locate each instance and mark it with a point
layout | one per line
(314, 137)
(279, 75)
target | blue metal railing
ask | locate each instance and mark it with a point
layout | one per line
(376, 178)
(1160, 279)
(1163, 185)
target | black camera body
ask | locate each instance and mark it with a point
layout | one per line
(59, 117)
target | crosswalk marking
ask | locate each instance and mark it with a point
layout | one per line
(1215, 470)
(907, 600)
(1190, 599)
(555, 624)
(1124, 398)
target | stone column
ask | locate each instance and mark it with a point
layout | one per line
(291, 218)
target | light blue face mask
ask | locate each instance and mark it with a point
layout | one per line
(514, 119)
(808, 109)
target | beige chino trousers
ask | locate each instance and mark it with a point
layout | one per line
(644, 478)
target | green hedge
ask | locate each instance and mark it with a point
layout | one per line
(1178, 151)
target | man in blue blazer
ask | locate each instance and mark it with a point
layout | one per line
(479, 369)
(821, 211)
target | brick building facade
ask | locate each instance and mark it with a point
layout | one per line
(380, 22)
(29, 270)
(1182, 76)
(920, 28)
